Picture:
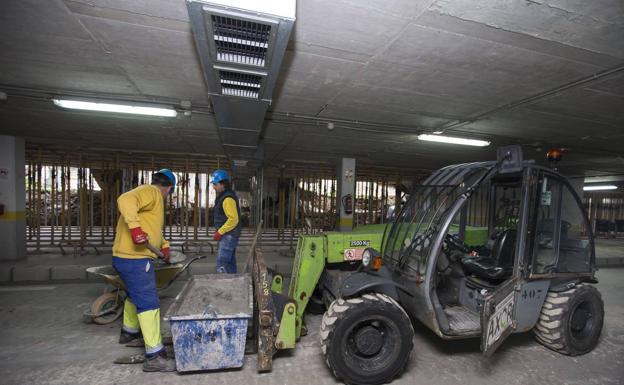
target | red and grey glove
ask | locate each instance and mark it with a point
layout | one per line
(139, 236)
(165, 253)
(217, 236)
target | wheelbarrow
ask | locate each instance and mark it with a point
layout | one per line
(108, 307)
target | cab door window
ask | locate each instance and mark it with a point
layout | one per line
(547, 209)
(574, 246)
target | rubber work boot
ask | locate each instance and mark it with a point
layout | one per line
(139, 342)
(126, 337)
(159, 363)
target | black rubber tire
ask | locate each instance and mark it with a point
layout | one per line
(373, 311)
(107, 301)
(315, 304)
(557, 329)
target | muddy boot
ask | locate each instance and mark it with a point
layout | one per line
(126, 337)
(159, 363)
(139, 342)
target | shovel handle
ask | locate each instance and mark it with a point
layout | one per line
(154, 250)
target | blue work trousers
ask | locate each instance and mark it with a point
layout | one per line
(226, 254)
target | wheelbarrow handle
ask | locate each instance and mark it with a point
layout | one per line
(188, 263)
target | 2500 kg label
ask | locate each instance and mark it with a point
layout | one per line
(359, 243)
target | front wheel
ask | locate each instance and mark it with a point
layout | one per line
(366, 340)
(571, 321)
(109, 307)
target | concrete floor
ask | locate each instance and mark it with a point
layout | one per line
(45, 342)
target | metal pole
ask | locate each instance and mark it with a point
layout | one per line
(282, 206)
(207, 212)
(116, 196)
(397, 196)
(91, 205)
(63, 200)
(38, 203)
(44, 201)
(292, 204)
(178, 216)
(196, 204)
(171, 210)
(332, 201)
(186, 200)
(52, 204)
(103, 198)
(30, 195)
(82, 202)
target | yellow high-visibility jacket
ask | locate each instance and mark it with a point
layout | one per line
(229, 207)
(142, 207)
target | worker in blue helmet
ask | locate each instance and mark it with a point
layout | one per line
(141, 221)
(227, 221)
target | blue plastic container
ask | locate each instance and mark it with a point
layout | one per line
(209, 321)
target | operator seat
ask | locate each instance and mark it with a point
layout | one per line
(499, 265)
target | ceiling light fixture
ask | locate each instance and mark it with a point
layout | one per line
(600, 187)
(284, 8)
(453, 140)
(116, 107)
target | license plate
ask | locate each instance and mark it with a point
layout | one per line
(501, 320)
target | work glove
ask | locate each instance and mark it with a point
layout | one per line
(139, 236)
(165, 252)
(217, 236)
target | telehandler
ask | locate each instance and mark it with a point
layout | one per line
(480, 250)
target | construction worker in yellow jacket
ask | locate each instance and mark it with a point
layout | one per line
(227, 221)
(142, 220)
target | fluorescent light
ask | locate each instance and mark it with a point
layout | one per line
(115, 107)
(453, 140)
(600, 187)
(284, 8)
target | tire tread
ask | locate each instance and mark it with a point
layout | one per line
(340, 308)
(550, 327)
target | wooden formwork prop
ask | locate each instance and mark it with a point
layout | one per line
(263, 339)
(263, 313)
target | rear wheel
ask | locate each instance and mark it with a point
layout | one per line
(366, 340)
(571, 321)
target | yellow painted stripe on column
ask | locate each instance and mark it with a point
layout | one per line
(13, 216)
(345, 222)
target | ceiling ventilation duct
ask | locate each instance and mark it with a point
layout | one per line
(244, 84)
(239, 40)
(241, 44)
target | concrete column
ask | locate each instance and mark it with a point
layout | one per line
(12, 198)
(345, 194)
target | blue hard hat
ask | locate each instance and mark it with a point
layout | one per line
(219, 176)
(170, 175)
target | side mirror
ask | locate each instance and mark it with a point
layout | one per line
(509, 159)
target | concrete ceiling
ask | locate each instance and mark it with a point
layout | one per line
(537, 73)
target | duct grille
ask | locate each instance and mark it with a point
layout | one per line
(240, 84)
(240, 41)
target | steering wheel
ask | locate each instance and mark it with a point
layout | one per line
(454, 241)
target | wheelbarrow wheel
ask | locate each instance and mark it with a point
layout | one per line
(111, 302)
